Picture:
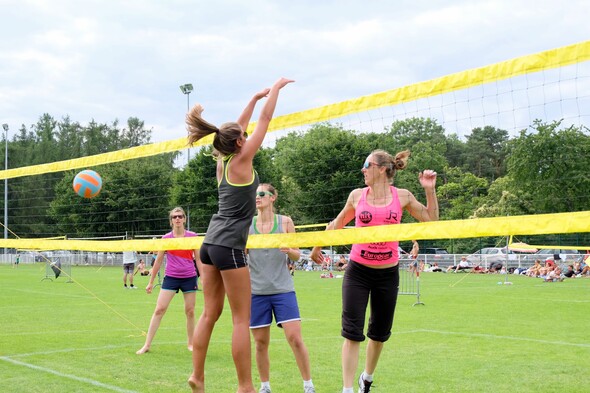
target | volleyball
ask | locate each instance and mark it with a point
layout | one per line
(87, 183)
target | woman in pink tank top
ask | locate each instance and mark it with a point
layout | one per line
(372, 273)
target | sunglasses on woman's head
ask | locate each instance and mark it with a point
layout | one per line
(262, 194)
(177, 216)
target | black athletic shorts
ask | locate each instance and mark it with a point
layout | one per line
(360, 284)
(223, 258)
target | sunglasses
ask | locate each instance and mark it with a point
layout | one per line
(262, 194)
(177, 216)
(368, 164)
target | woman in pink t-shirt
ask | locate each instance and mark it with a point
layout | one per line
(373, 268)
(181, 275)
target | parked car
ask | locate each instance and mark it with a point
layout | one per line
(550, 253)
(488, 255)
(439, 255)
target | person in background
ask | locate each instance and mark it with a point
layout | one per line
(141, 269)
(273, 291)
(223, 257)
(180, 275)
(129, 259)
(373, 270)
(342, 262)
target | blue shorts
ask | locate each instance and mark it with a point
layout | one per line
(186, 285)
(283, 305)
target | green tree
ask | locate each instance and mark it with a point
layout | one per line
(319, 170)
(486, 151)
(552, 165)
(134, 200)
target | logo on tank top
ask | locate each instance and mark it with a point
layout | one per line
(365, 217)
(392, 216)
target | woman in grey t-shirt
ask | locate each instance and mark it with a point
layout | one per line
(273, 291)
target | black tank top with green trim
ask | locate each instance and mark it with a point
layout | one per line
(237, 206)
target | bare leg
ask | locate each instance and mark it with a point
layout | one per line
(189, 311)
(350, 361)
(262, 340)
(237, 286)
(374, 349)
(293, 334)
(164, 299)
(214, 296)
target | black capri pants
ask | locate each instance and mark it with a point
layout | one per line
(360, 284)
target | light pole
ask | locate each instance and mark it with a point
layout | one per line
(187, 88)
(5, 127)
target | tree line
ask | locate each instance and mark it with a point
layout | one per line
(543, 169)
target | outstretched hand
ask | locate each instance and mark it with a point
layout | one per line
(282, 82)
(427, 178)
(261, 94)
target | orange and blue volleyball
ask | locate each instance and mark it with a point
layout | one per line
(87, 183)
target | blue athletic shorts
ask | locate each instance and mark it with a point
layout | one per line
(282, 305)
(186, 285)
(223, 258)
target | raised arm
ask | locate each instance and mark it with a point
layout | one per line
(246, 114)
(415, 208)
(254, 142)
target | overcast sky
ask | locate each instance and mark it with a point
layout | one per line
(107, 60)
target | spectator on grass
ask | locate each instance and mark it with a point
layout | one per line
(463, 265)
(141, 269)
(554, 275)
(547, 268)
(180, 275)
(570, 272)
(583, 269)
(342, 262)
(435, 267)
(496, 267)
(535, 270)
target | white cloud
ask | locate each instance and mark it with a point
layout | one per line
(108, 59)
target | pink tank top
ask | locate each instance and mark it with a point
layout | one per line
(366, 215)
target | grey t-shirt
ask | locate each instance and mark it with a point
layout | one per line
(269, 273)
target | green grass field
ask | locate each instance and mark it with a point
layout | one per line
(472, 335)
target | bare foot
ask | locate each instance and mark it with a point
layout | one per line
(196, 386)
(143, 350)
(190, 348)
